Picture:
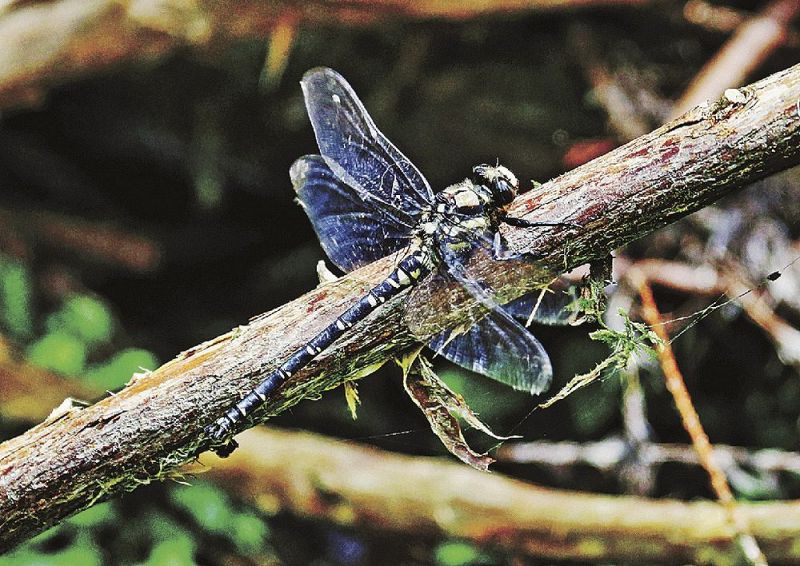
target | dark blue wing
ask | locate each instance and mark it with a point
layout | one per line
(358, 153)
(469, 349)
(497, 346)
(351, 232)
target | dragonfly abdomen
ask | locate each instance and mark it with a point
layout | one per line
(410, 269)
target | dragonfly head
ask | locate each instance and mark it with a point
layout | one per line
(501, 182)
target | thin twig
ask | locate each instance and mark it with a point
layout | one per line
(691, 422)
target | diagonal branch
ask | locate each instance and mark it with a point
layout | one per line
(319, 478)
(154, 425)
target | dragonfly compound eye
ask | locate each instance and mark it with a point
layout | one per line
(502, 191)
(501, 182)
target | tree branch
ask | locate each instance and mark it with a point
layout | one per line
(609, 455)
(363, 487)
(311, 476)
(97, 241)
(155, 424)
(754, 41)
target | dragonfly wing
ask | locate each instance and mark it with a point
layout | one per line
(497, 346)
(351, 232)
(496, 349)
(553, 306)
(358, 153)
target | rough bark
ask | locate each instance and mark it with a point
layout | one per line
(362, 487)
(155, 424)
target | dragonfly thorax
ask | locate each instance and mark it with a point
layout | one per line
(467, 209)
(463, 199)
(459, 214)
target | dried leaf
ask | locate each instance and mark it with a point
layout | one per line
(441, 406)
(351, 395)
(350, 391)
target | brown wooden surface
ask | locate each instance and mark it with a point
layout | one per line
(155, 424)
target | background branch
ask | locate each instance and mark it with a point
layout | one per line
(367, 488)
(101, 242)
(154, 424)
(76, 38)
(610, 454)
(749, 47)
(355, 486)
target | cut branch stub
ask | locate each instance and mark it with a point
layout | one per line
(155, 424)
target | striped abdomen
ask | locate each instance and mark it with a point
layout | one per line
(408, 271)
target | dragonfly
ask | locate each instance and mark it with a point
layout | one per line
(366, 200)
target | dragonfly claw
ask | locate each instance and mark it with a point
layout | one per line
(226, 449)
(217, 432)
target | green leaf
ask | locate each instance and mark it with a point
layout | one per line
(177, 550)
(80, 551)
(116, 372)
(208, 505)
(86, 318)
(636, 338)
(456, 553)
(16, 298)
(248, 532)
(93, 516)
(58, 351)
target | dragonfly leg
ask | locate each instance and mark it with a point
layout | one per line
(501, 253)
(499, 250)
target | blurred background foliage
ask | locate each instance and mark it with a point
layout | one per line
(181, 164)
